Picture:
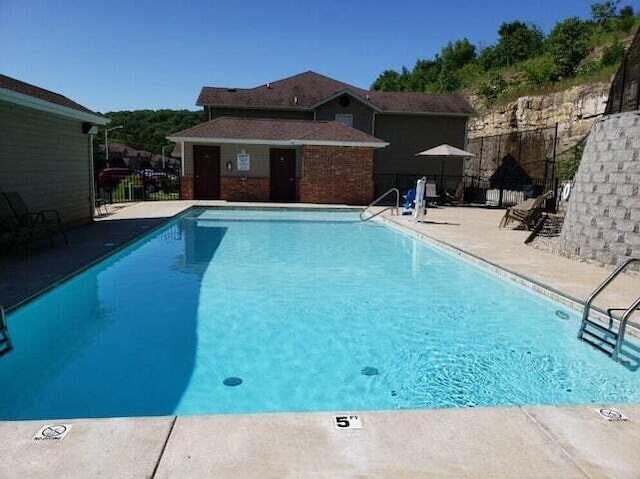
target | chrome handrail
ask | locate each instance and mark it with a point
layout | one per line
(623, 326)
(3, 319)
(625, 316)
(4, 334)
(379, 198)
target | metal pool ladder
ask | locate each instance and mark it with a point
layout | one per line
(394, 209)
(5, 341)
(607, 339)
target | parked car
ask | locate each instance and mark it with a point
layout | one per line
(110, 177)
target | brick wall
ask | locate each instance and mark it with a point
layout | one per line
(337, 174)
(186, 187)
(233, 188)
(603, 217)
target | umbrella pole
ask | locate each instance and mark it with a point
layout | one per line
(442, 178)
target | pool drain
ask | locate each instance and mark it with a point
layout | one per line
(232, 381)
(369, 371)
(562, 315)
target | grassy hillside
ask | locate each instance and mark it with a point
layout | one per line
(525, 60)
(148, 129)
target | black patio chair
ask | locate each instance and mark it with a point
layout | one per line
(11, 232)
(35, 220)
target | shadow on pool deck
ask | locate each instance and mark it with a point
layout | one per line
(22, 277)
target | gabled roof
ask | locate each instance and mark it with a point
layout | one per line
(16, 91)
(306, 90)
(281, 132)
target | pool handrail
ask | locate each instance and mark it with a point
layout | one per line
(625, 317)
(5, 340)
(394, 209)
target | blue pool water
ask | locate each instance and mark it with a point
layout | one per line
(230, 311)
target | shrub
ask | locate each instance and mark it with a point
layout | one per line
(588, 68)
(568, 45)
(541, 70)
(491, 87)
(613, 54)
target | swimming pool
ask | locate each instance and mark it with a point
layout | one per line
(244, 311)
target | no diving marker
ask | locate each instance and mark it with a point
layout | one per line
(612, 415)
(52, 432)
(348, 421)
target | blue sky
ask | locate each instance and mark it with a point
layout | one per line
(112, 55)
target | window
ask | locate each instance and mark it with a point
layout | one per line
(345, 119)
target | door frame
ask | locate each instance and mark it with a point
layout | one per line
(272, 155)
(214, 193)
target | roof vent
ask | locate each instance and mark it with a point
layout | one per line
(344, 101)
(269, 86)
(231, 89)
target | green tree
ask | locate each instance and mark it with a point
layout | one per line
(453, 57)
(147, 129)
(603, 13)
(518, 41)
(457, 54)
(489, 58)
(425, 74)
(568, 45)
(626, 19)
(388, 80)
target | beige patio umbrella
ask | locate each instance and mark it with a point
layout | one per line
(444, 152)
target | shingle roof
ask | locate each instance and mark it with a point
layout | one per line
(307, 89)
(40, 93)
(295, 131)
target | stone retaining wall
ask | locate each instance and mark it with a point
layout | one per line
(603, 217)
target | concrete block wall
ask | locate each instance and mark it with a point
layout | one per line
(602, 223)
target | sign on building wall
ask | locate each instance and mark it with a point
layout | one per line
(243, 161)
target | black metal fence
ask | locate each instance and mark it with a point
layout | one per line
(121, 185)
(477, 190)
(624, 94)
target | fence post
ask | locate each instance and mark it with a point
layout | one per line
(481, 153)
(501, 177)
(624, 79)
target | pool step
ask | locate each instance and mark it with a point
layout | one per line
(600, 337)
(5, 341)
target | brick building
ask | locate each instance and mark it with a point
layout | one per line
(311, 138)
(253, 159)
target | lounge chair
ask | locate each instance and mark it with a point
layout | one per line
(10, 229)
(430, 193)
(527, 212)
(458, 198)
(101, 207)
(35, 220)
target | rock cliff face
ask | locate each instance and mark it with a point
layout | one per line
(575, 111)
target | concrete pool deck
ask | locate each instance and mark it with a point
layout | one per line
(519, 442)
(536, 441)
